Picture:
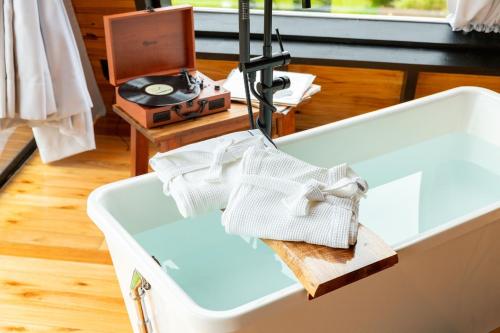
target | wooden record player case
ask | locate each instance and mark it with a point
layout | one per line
(159, 42)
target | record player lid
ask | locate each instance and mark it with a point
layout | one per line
(150, 43)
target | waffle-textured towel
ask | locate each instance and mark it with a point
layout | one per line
(281, 197)
(200, 176)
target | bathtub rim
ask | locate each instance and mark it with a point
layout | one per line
(459, 226)
(157, 277)
(150, 269)
(384, 112)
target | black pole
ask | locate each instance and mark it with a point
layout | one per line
(244, 33)
(266, 75)
(244, 39)
(265, 64)
(144, 4)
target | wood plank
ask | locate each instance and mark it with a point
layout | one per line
(139, 152)
(55, 272)
(45, 315)
(193, 130)
(12, 326)
(93, 285)
(322, 269)
(38, 207)
(54, 252)
(346, 92)
(431, 83)
(104, 7)
(216, 69)
(90, 21)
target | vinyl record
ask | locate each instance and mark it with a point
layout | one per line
(158, 90)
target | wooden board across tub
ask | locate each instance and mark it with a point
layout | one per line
(322, 269)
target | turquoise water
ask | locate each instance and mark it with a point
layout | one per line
(422, 186)
(218, 271)
(411, 190)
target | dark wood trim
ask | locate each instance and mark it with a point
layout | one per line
(365, 56)
(409, 86)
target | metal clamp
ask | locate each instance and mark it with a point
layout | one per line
(138, 288)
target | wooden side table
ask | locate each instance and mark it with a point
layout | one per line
(178, 134)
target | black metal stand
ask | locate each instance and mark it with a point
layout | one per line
(266, 74)
(266, 63)
(147, 4)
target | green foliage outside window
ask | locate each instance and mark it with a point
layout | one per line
(435, 8)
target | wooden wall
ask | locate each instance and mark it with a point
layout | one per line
(346, 92)
(89, 14)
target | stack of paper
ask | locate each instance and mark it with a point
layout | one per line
(301, 88)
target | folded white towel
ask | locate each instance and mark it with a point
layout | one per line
(200, 176)
(281, 197)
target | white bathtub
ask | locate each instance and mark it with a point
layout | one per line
(434, 168)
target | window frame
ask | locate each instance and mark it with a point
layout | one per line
(408, 44)
(350, 29)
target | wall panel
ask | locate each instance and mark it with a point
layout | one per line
(430, 83)
(347, 92)
(90, 18)
(216, 69)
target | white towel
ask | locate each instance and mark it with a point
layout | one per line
(281, 197)
(199, 177)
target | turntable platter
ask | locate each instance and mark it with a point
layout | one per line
(161, 90)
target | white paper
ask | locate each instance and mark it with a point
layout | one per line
(300, 83)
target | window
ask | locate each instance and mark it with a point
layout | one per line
(429, 8)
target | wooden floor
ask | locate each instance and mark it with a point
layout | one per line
(12, 143)
(55, 271)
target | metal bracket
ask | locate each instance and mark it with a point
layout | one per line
(138, 288)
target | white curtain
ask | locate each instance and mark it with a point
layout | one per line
(479, 15)
(44, 84)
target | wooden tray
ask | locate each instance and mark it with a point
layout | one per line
(322, 269)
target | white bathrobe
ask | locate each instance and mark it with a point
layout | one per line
(10, 78)
(3, 88)
(277, 196)
(200, 176)
(49, 89)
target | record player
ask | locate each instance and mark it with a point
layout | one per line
(152, 64)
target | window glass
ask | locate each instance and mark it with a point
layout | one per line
(429, 8)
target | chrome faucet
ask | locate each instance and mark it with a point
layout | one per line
(265, 63)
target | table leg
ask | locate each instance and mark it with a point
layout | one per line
(139, 153)
(409, 86)
(167, 145)
(286, 125)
